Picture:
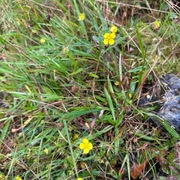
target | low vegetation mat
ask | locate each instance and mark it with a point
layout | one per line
(74, 78)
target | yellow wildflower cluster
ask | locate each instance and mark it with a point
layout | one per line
(109, 38)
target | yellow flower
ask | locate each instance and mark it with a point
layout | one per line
(46, 150)
(81, 17)
(157, 24)
(42, 40)
(18, 178)
(109, 38)
(86, 146)
(79, 178)
(113, 29)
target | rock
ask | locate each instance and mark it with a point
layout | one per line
(171, 81)
(168, 103)
(170, 109)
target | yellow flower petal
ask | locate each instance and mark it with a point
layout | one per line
(81, 146)
(106, 41)
(18, 178)
(113, 29)
(106, 35)
(111, 41)
(90, 146)
(85, 141)
(79, 178)
(86, 151)
(157, 23)
(112, 35)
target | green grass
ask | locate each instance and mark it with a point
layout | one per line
(55, 94)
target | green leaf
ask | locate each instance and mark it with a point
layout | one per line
(93, 75)
(110, 102)
(164, 123)
(5, 131)
(76, 72)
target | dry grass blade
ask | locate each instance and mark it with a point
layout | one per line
(173, 6)
(130, 5)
